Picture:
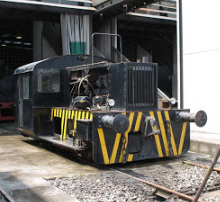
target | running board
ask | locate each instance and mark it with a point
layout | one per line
(64, 144)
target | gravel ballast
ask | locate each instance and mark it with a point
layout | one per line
(109, 186)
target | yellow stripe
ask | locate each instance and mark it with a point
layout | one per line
(87, 115)
(163, 132)
(69, 114)
(138, 122)
(159, 149)
(171, 133)
(115, 148)
(51, 116)
(79, 114)
(65, 125)
(72, 114)
(83, 115)
(63, 116)
(103, 146)
(55, 112)
(182, 138)
(130, 157)
(74, 126)
(60, 113)
(76, 112)
(91, 116)
(116, 145)
(157, 138)
(131, 117)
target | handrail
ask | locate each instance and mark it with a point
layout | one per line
(107, 34)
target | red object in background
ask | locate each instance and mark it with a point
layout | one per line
(7, 111)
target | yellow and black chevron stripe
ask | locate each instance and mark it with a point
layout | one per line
(135, 120)
(65, 114)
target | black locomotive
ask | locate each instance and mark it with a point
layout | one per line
(7, 93)
(104, 111)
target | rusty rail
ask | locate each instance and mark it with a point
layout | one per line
(159, 187)
(7, 197)
(199, 165)
(204, 190)
(206, 177)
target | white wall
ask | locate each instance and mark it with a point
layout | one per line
(201, 60)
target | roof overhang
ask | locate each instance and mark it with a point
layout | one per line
(49, 7)
(146, 18)
(147, 11)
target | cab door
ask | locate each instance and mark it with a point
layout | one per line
(23, 97)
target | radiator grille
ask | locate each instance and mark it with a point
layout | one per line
(141, 86)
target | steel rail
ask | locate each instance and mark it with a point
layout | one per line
(8, 198)
(204, 190)
(207, 177)
(158, 186)
(199, 165)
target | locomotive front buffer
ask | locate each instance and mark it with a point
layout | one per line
(103, 111)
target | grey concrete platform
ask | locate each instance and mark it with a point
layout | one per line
(24, 166)
(205, 143)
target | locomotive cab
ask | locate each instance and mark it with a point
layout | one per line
(103, 111)
(41, 86)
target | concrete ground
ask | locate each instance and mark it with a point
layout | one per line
(204, 143)
(25, 164)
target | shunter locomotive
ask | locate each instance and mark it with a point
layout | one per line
(103, 111)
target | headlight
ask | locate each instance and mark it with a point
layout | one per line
(172, 101)
(111, 102)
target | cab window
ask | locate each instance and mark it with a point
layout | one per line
(48, 80)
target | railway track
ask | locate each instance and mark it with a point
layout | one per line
(167, 193)
(4, 197)
(161, 191)
(93, 183)
(136, 185)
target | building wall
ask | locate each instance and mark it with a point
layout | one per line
(97, 2)
(201, 60)
(41, 47)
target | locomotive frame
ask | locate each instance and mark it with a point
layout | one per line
(122, 123)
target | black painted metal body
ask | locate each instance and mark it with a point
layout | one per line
(133, 85)
(106, 112)
(34, 109)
